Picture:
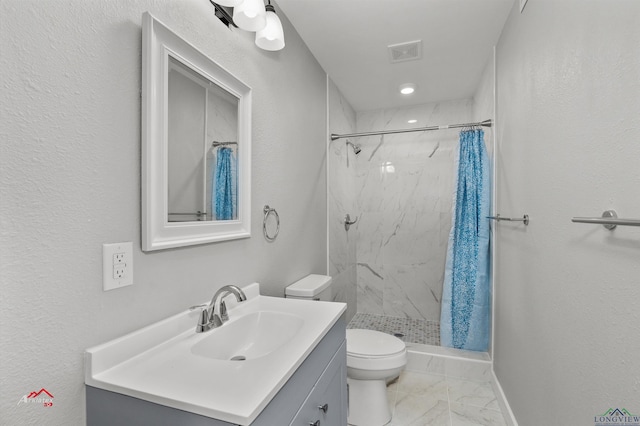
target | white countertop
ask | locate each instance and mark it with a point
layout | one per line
(157, 363)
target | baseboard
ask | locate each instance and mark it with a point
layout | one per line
(502, 401)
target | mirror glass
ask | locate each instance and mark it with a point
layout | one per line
(202, 127)
(196, 147)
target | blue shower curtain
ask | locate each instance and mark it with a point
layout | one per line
(224, 187)
(464, 318)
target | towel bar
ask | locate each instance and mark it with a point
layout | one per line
(609, 220)
(524, 219)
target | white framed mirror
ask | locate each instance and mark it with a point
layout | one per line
(196, 145)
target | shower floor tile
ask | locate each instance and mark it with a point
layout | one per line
(407, 329)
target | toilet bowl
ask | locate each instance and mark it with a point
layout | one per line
(373, 358)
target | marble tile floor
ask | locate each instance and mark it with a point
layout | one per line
(417, 398)
(440, 386)
(407, 329)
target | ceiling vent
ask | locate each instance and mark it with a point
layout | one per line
(409, 51)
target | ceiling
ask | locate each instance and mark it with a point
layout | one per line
(349, 38)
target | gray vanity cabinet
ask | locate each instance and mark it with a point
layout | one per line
(325, 404)
(319, 382)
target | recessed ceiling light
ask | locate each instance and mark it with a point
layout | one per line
(407, 89)
(412, 121)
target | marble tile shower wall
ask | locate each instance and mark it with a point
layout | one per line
(403, 192)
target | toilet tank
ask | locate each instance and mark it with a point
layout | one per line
(311, 287)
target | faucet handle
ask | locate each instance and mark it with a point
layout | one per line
(203, 324)
(224, 316)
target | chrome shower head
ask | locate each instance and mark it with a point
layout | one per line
(356, 148)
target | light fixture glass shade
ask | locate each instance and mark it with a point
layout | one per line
(271, 37)
(229, 3)
(250, 15)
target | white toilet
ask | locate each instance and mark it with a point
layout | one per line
(373, 358)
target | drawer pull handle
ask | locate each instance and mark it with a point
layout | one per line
(324, 408)
(316, 423)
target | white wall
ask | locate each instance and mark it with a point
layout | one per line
(70, 181)
(484, 109)
(483, 102)
(567, 316)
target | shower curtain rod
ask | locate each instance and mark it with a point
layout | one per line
(485, 123)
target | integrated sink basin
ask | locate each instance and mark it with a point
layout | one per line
(250, 336)
(229, 373)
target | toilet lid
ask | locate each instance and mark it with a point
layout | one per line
(370, 343)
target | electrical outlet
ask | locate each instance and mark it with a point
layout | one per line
(118, 258)
(118, 272)
(117, 265)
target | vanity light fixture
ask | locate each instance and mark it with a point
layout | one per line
(250, 15)
(223, 13)
(253, 15)
(407, 88)
(412, 121)
(229, 3)
(271, 37)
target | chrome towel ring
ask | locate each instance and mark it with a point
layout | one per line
(267, 212)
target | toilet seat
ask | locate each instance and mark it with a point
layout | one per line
(373, 344)
(374, 350)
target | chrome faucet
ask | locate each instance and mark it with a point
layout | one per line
(216, 314)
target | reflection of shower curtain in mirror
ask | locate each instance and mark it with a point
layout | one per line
(464, 319)
(224, 185)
